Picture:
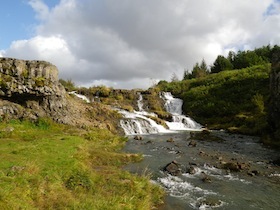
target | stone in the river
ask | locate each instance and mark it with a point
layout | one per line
(191, 170)
(192, 143)
(232, 166)
(138, 137)
(173, 168)
(171, 140)
(243, 166)
(205, 178)
(253, 173)
(211, 202)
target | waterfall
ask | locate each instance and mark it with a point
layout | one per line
(138, 122)
(86, 99)
(179, 121)
(140, 102)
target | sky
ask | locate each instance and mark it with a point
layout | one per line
(133, 44)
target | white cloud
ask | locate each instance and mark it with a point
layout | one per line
(40, 8)
(128, 44)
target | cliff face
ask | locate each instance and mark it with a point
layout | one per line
(274, 110)
(30, 89)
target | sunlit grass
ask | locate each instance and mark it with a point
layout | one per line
(51, 166)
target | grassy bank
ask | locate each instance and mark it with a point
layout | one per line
(235, 100)
(51, 166)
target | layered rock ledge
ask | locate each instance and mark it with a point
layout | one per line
(30, 89)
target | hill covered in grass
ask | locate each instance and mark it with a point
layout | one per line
(235, 100)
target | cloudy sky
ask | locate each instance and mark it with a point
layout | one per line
(133, 43)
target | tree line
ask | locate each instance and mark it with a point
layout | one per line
(239, 60)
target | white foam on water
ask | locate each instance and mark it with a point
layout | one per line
(231, 177)
(177, 187)
(86, 99)
(274, 175)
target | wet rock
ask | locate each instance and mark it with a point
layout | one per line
(243, 166)
(202, 153)
(205, 131)
(173, 168)
(138, 137)
(232, 166)
(205, 178)
(253, 173)
(192, 143)
(210, 202)
(171, 140)
(191, 170)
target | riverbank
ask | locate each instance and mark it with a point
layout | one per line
(52, 166)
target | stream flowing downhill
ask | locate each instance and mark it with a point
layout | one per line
(139, 122)
(214, 169)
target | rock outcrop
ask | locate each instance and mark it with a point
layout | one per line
(274, 110)
(30, 89)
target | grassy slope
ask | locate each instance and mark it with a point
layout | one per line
(50, 166)
(232, 100)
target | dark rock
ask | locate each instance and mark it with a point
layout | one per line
(192, 143)
(138, 137)
(205, 178)
(253, 173)
(232, 166)
(191, 170)
(243, 166)
(211, 202)
(173, 168)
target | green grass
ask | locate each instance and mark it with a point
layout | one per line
(51, 166)
(235, 100)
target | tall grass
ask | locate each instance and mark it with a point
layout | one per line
(50, 166)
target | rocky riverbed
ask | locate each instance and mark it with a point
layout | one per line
(210, 169)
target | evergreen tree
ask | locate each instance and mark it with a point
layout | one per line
(221, 64)
(200, 70)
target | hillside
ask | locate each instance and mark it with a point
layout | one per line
(235, 100)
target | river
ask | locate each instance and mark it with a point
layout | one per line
(204, 182)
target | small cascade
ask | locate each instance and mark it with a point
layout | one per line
(179, 121)
(140, 102)
(138, 122)
(86, 99)
(172, 105)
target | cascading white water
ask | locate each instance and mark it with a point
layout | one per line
(172, 105)
(140, 102)
(138, 122)
(86, 99)
(179, 121)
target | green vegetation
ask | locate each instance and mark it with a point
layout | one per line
(232, 94)
(234, 99)
(69, 85)
(125, 99)
(49, 166)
